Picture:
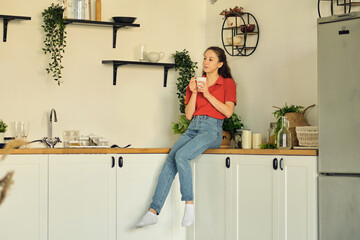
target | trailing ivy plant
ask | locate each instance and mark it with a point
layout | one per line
(186, 68)
(55, 35)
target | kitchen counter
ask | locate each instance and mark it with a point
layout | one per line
(298, 152)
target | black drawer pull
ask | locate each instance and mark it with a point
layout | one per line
(112, 162)
(275, 164)
(121, 162)
(227, 162)
(281, 164)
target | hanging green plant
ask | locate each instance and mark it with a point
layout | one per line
(55, 35)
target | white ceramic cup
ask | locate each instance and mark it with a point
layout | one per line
(246, 139)
(200, 80)
(154, 56)
(256, 140)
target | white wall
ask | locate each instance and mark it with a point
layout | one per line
(283, 67)
(138, 110)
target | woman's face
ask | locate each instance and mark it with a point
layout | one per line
(211, 62)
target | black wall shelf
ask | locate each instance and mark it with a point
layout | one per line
(117, 63)
(8, 18)
(245, 48)
(115, 26)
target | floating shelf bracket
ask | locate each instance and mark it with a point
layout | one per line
(117, 63)
(6, 19)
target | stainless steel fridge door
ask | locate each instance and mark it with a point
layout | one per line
(339, 96)
(339, 208)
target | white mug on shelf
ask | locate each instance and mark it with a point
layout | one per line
(154, 56)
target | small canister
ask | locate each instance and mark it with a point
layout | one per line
(84, 141)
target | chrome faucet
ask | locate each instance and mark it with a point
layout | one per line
(50, 142)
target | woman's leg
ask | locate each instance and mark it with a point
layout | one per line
(164, 182)
(168, 173)
(209, 135)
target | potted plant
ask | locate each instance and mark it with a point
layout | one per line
(231, 12)
(55, 35)
(232, 16)
(295, 115)
(230, 126)
(186, 68)
(3, 127)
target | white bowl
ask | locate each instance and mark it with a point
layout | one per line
(237, 40)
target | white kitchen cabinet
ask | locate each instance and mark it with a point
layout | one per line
(254, 186)
(211, 198)
(103, 196)
(23, 214)
(82, 197)
(273, 204)
(136, 182)
(298, 199)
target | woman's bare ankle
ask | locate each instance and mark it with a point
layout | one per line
(153, 211)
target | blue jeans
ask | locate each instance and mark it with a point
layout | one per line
(203, 132)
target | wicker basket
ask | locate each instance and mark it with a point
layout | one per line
(308, 136)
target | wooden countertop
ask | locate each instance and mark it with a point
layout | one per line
(160, 150)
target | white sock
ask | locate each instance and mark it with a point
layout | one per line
(148, 219)
(189, 215)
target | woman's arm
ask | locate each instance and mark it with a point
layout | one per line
(226, 108)
(190, 106)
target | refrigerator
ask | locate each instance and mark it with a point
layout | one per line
(339, 126)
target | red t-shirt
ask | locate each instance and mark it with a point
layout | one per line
(224, 90)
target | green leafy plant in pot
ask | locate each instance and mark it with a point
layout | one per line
(55, 35)
(186, 68)
(3, 127)
(232, 124)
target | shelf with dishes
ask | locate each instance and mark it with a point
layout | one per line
(6, 19)
(119, 22)
(240, 34)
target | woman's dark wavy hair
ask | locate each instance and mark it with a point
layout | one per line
(224, 71)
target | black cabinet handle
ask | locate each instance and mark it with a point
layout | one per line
(112, 162)
(275, 164)
(281, 164)
(120, 162)
(227, 162)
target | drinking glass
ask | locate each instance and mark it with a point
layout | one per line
(25, 128)
(17, 129)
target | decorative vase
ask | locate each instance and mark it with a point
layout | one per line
(98, 10)
(2, 134)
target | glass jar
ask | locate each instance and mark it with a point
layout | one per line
(284, 135)
(271, 133)
(237, 138)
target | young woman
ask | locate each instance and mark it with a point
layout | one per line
(207, 105)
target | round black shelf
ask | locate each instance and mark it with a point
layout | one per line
(237, 42)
